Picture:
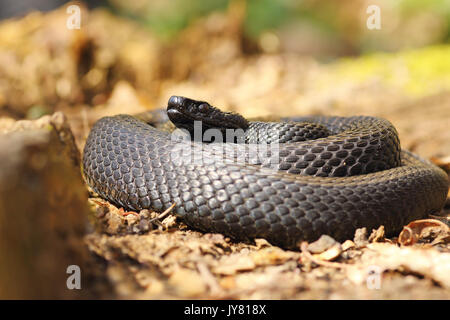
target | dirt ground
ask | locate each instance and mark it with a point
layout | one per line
(113, 66)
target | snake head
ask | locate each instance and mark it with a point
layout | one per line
(183, 112)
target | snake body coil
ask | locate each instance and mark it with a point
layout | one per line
(352, 174)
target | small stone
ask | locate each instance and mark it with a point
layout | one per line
(360, 238)
(325, 242)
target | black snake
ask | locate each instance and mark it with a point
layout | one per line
(326, 175)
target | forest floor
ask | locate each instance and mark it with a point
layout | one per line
(113, 66)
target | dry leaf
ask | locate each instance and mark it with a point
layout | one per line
(348, 244)
(377, 235)
(427, 262)
(330, 254)
(416, 230)
(234, 263)
(442, 162)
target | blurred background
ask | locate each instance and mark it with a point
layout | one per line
(326, 28)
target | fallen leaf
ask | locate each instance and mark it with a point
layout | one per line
(377, 235)
(272, 256)
(427, 262)
(442, 162)
(231, 264)
(331, 253)
(419, 229)
(348, 244)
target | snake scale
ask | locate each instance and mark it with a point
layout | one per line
(327, 175)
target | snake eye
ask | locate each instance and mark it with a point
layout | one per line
(203, 108)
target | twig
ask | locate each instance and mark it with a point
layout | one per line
(162, 215)
(124, 213)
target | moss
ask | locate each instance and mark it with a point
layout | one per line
(416, 72)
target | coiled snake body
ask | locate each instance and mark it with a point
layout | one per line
(328, 175)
